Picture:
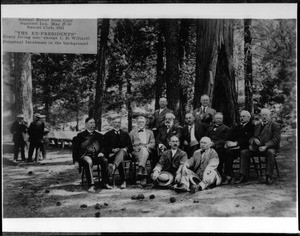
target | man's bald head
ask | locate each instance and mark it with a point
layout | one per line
(265, 114)
(205, 143)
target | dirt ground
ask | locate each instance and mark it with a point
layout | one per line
(52, 188)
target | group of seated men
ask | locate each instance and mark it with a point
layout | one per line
(186, 159)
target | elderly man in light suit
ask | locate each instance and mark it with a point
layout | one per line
(143, 143)
(201, 112)
(268, 133)
(200, 171)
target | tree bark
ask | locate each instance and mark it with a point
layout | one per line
(224, 92)
(206, 57)
(101, 57)
(23, 89)
(248, 66)
(172, 60)
(128, 103)
(159, 83)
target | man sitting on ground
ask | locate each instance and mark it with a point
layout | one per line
(143, 143)
(170, 161)
(200, 171)
(88, 151)
(267, 134)
(118, 146)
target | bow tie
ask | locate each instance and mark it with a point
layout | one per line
(141, 130)
(202, 151)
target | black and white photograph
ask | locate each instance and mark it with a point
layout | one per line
(149, 117)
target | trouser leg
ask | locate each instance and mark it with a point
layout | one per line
(221, 153)
(88, 169)
(22, 147)
(30, 151)
(43, 150)
(192, 150)
(270, 161)
(118, 161)
(230, 155)
(16, 150)
(246, 154)
(104, 168)
(143, 155)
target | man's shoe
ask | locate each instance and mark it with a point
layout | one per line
(268, 180)
(227, 180)
(123, 185)
(181, 189)
(241, 180)
(195, 188)
(91, 189)
(143, 182)
(30, 160)
(111, 168)
(107, 186)
(15, 161)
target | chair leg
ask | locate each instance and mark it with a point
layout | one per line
(99, 173)
(260, 166)
(255, 167)
(277, 169)
(82, 177)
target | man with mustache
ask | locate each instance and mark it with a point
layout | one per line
(268, 133)
(192, 133)
(170, 160)
(164, 135)
(117, 145)
(200, 171)
(89, 150)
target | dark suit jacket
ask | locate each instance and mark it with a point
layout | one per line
(111, 141)
(270, 135)
(200, 130)
(18, 130)
(241, 134)
(36, 131)
(218, 135)
(84, 142)
(163, 137)
(167, 163)
(159, 119)
(198, 114)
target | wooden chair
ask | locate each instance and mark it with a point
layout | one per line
(260, 165)
(96, 173)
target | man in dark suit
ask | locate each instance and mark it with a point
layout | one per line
(36, 133)
(202, 113)
(158, 118)
(165, 133)
(143, 143)
(88, 150)
(19, 130)
(218, 133)
(170, 160)
(191, 134)
(118, 146)
(238, 140)
(268, 133)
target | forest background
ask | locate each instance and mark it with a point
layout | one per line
(240, 64)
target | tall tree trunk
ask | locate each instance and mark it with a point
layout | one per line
(101, 57)
(172, 69)
(224, 92)
(248, 66)
(206, 58)
(183, 45)
(128, 102)
(23, 89)
(46, 96)
(159, 83)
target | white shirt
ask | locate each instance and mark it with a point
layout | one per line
(142, 136)
(173, 152)
(192, 128)
(205, 108)
(161, 110)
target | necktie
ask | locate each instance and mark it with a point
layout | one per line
(203, 110)
(141, 130)
(117, 132)
(190, 129)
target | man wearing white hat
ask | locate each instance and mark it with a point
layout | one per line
(36, 133)
(19, 130)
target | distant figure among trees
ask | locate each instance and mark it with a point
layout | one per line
(204, 113)
(19, 130)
